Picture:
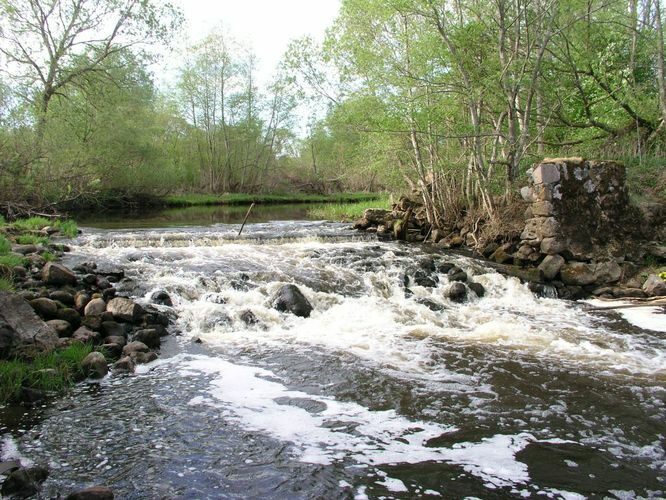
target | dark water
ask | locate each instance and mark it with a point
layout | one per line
(388, 390)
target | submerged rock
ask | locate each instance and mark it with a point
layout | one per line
(24, 482)
(290, 299)
(92, 493)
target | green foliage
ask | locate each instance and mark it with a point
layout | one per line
(32, 239)
(2, 220)
(67, 227)
(48, 256)
(51, 372)
(346, 212)
(32, 223)
(662, 275)
(246, 199)
(5, 245)
(6, 284)
(13, 260)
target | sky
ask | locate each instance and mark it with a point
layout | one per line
(266, 26)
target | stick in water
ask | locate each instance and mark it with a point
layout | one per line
(245, 219)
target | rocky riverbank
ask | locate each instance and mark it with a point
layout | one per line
(575, 230)
(53, 307)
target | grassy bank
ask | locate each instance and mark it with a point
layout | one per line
(50, 372)
(346, 212)
(189, 200)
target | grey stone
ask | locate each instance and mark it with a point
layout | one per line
(46, 308)
(70, 315)
(80, 300)
(24, 249)
(94, 365)
(552, 246)
(546, 173)
(577, 273)
(124, 364)
(86, 336)
(125, 309)
(551, 265)
(95, 306)
(542, 209)
(654, 286)
(62, 296)
(290, 299)
(607, 272)
(134, 347)
(92, 493)
(115, 339)
(456, 291)
(61, 327)
(376, 215)
(57, 274)
(148, 336)
(21, 328)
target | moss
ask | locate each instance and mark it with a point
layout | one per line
(52, 372)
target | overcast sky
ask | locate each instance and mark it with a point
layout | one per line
(266, 26)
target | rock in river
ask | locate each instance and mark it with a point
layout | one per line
(290, 299)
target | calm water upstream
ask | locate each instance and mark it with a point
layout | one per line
(388, 390)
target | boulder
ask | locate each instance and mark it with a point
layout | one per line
(457, 274)
(24, 249)
(113, 328)
(92, 493)
(57, 274)
(148, 336)
(46, 308)
(70, 315)
(125, 309)
(61, 327)
(94, 365)
(249, 318)
(552, 246)
(80, 300)
(95, 306)
(551, 265)
(502, 255)
(134, 347)
(21, 329)
(63, 297)
(290, 299)
(654, 286)
(124, 364)
(161, 297)
(24, 482)
(111, 349)
(457, 291)
(477, 288)
(607, 272)
(86, 336)
(577, 274)
(376, 216)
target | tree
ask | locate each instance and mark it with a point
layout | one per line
(51, 45)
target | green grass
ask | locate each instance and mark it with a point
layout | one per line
(2, 220)
(31, 239)
(48, 256)
(67, 227)
(186, 200)
(5, 245)
(33, 223)
(48, 372)
(346, 212)
(6, 284)
(13, 260)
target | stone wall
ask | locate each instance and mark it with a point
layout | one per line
(580, 227)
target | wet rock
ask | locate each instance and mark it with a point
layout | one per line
(95, 306)
(124, 309)
(86, 268)
(21, 328)
(654, 286)
(631, 292)
(115, 339)
(94, 365)
(444, 267)
(46, 308)
(161, 297)
(290, 299)
(103, 283)
(249, 318)
(62, 296)
(607, 272)
(457, 274)
(150, 337)
(477, 288)
(551, 265)
(24, 249)
(61, 327)
(90, 279)
(57, 274)
(503, 254)
(421, 278)
(24, 482)
(456, 291)
(124, 364)
(81, 299)
(70, 315)
(111, 350)
(431, 304)
(93, 321)
(577, 274)
(114, 328)
(92, 493)
(108, 294)
(135, 347)
(141, 358)
(86, 336)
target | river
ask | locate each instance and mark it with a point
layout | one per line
(388, 389)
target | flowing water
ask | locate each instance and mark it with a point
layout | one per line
(388, 390)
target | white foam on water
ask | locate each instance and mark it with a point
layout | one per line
(9, 451)
(648, 318)
(346, 430)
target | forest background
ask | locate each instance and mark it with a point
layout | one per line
(455, 99)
